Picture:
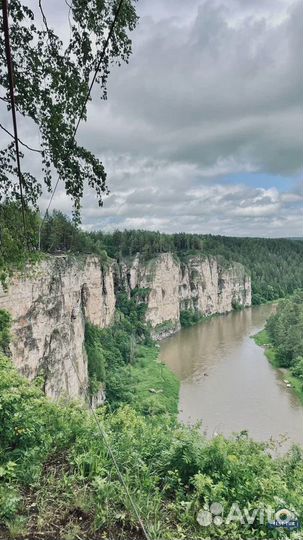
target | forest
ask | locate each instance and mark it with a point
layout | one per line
(285, 332)
(275, 264)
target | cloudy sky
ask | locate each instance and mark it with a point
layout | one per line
(202, 130)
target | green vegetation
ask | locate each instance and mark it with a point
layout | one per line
(189, 317)
(237, 306)
(14, 252)
(276, 265)
(155, 388)
(52, 79)
(283, 339)
(5, 322)
(285, 330)
(130, 371)
(166, 326)
(149, 243)
(262, 339)
(57, 479)
(57, 235)
(124, 358)
(60, 234)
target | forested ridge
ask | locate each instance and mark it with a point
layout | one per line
(275, 265)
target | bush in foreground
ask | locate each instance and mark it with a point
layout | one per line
(57, 478)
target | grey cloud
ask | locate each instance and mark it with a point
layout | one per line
(203, 205)
(174, 197)
(212, 89)
(207, 90)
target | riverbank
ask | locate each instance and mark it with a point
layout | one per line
(190, 318)
(263, 340)
(60, 480)
(226, 383)
(155, 387)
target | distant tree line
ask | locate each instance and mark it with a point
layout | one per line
(276, 265)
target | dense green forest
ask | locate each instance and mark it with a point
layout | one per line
(285, 329)
(285, 332)
(276, 265)
(282, 338)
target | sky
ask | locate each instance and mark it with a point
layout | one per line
(202, 130)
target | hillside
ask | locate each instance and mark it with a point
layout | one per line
(275, 265)
(58, 478)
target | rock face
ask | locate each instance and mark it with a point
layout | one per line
(51, 301)
(202, 284)
(210, 287)
(159, 281)
(49, 304)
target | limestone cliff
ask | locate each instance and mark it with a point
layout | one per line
(49, 304)
(203, 284)
(160, 278)
(210, 286)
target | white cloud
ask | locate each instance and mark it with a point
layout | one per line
(167, 198)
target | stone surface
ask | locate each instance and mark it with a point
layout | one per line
(210, 287)
(49, 304)
(200, 283)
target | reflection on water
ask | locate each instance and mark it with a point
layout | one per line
(227, 382)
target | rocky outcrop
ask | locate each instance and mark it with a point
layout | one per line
(210, 286)
(49, 304)
(203, 284)
(51, 301)
(158, 279)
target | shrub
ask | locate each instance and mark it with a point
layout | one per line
(55, 468)
(5, 322)
(190, 317)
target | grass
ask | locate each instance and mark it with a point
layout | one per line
(296, 384)
(156, 387)
(262, 339)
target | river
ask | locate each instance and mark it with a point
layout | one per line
(227, 382)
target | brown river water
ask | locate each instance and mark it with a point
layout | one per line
(227, 382)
